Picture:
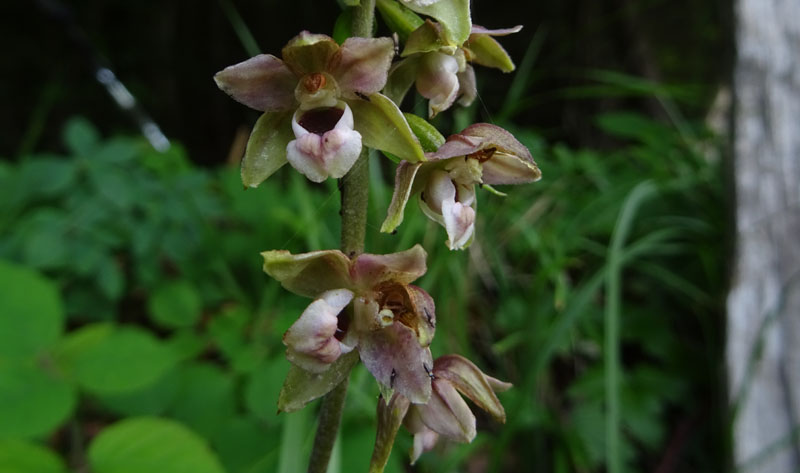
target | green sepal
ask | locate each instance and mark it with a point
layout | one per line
(398, 18)
(454, 15)
(429, 137)
(266, 148)
(427, 38)
(302, 387)
(486, 51)
(403, 188)
(383, 126)
(390, 418)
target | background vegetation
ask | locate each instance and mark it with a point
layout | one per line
(137, 332)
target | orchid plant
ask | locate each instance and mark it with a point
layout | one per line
(325, 104)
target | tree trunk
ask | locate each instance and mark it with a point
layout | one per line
(764, 303)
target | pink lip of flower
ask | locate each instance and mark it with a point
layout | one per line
(480, 154)
(320, 104)
(391, 324)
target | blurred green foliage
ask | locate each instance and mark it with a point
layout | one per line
(136, 327)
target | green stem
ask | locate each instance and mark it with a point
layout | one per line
(355, 192)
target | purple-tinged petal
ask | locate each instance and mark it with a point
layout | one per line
(471, 382)
(369, 271)
(497, 385)
(362, 65)
(424, 441)
(307, 53)
(510, 169)
(422, 317)
(383, 126)
(309, 274)
(397, 361)
(390, 418)
(448, 414)
(456, 145)
(319, 151)
(496, 32)
(262, 82)
(427, 38)
(403, 185)
(437, 80)
(311, 341)
(468, 87)
(266, 147)
(459, 221)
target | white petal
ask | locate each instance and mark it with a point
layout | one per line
(437, 80)
(331, 154)
(459, 221)
(310, 341)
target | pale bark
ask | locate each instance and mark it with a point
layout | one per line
(763, 349)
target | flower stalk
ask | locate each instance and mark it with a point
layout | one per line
(354, 187)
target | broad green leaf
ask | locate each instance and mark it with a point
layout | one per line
(46, 177)
(244, 442)
(151, 444)
(105, 359)
(383, 126)
(31, 315)
(263, 388)
(302, 387)
(205, 398)
(81, 137)
(32, 403)
(150, 400)
(266, 148)
(175, 304)
(24, 457)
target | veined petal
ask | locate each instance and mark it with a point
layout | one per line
(467, 86)
(437, 80)
(397, 361)
(454, 15)
(448, 414)
(320, 152)
(403, 185)
(310, 341)
(309, 274)
(266, 147)
(262, 82)
(362, 65)
(307, 53)
(369, 271)
(383, 126)
(471, 382)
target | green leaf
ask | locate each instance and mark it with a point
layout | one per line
(25, 457)
(31, 315)
(398, 18)
(243, 443)
(266, 148)
(81, 137)
(342, 28)
(32, 403)
(302, 387)
(262, 391)
(427, 134)
(105, 359)
(150, 400)
(383, 126)
(151, 444)
(47, 177)
(175, 304)
(205, 398)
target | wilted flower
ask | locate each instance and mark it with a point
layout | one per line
(481, 154)
(446, 414)
(325, 97)
(441, 69)
(391, 323)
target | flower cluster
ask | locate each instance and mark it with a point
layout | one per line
(323, 103)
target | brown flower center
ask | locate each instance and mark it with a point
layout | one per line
(395, 297)
(320, 120)
(314, 82)
(483, 155)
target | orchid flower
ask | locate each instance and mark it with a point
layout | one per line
(391, 323)
(446, 414)
(482, 154)
(320, 104)
(441, 69)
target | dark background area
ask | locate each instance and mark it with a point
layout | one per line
(167, 52)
